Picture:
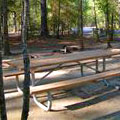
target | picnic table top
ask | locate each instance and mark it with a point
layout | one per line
(65, 58)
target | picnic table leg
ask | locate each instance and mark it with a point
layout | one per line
(97, 65)
(48, 74)
(81, 68)
(104, 64)
(18, 84)
(33, 78)
(104, 68)
(47, 106)
(43, 77)
(106, 83)
(95, 69)
(82, 72)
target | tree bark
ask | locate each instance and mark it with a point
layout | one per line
(119, 11)
(26, 84)
(96, 25)
(15, 21)
(3, 115)
(58, 26)
(108, 25)
(34, 14)
(5, 28)
(80, 18)
(80, 23)
(44, 27)
(112, 27)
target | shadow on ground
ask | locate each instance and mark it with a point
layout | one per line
(112, 116)
(94, 100)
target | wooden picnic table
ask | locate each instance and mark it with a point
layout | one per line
(57, 61)
(65, 58)
(77, 57)
(62, 59)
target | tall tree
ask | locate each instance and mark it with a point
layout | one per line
(26, 84)
(96, 24)
(44, 27)
(80, 18)
(5, 27)
(3, 115)
(112, 27)
(119, 11)
(80, 22)
(58, 26)
(107, 14)
(15, 19)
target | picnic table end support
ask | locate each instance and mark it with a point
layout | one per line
(47, 106)
(97, 66)
(18, 84)
(104, 64)
(82, 72)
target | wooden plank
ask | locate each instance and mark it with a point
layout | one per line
(10, 74)
(74, 82)
(13, 95)
(47, 68)
(67, 58)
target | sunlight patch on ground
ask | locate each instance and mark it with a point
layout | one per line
(40, 75)
(53, 74)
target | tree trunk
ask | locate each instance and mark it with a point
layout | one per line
(96, 25)
(119, 11)
(44, 27)
(58, 27)
(26, 84)
(112, 27)
(34, 14)
(54, 29)
(62, 32)
(80, 23)
(108, 25)
(15, 21)
(3, 115)
(5, 28)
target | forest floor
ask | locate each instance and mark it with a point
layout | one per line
(93, 101)
(37, 44)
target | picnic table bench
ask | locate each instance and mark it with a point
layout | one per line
(54, 63)
(66, 84)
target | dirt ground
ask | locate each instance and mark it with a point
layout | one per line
(89, 102)
(103, 107)
(94, 101)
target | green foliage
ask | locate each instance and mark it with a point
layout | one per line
(68, 13)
